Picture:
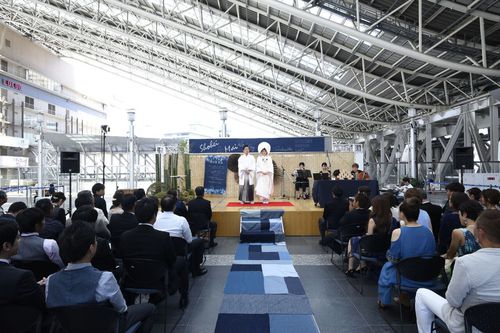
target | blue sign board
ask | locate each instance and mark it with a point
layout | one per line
(278, 145)
(215, 174)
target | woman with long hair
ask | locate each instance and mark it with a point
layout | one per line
(379, 224)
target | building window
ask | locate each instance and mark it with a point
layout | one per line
(52, 109)
(7, 42)
(29, 102)
(4, 65)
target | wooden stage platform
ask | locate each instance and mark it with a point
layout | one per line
(301, 219)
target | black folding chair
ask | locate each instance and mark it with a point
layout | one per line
(484, 317)
(372, 249)
(420, 269)
(200, 227)
(145, 277)
(345, 233)
(85, 318)
(40, 268)
(20, 318)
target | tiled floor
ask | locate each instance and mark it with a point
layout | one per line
(336, 302)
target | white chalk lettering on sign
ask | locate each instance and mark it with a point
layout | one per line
(212, 144)
(231, 148)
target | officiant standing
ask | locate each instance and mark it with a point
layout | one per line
(246, 169)
(265, 173)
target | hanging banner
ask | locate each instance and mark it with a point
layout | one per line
(278, 145)
(215, 174)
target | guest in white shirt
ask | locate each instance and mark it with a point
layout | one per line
(178, 228)
(476, 280)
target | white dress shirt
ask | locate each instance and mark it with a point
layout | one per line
(176, 226)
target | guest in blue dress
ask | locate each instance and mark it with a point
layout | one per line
(411, 240)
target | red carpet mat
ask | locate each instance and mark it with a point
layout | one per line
(260, 204)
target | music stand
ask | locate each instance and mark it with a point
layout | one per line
(317, 176)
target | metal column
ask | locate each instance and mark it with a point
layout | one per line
(413, 143)
(494, 135)
(131, 162)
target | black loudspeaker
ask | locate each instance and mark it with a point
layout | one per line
(463, 158)
(70, 162)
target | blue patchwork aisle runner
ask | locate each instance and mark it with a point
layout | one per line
(262, 226)
(264, 294)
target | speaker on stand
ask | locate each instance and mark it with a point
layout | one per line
(70, 163)
(463, 159)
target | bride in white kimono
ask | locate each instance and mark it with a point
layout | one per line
(246, 169)
(265, 173)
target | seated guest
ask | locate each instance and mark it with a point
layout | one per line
(332, 213)
(423, 218)
(450, 221)
(33, 247)
(476, 280)
(17, 286)
(85, 198)
(14, 209)
(336, 174)
(116, 207)
(358, 214)
(394, 204)
(201, 206)
(139, 194)
(119, 223)
(52, 228)
(178, 227)
(474, 193)
(103, 259)
(98, 191)
(58, 214)
(80, 283)
(358, 174)
(145, 242)
(490, 198)
(450, 189)
(379, 224)
(180, 207)
(434, 212)
(462, 239)
(411, 240)
(364, 190)
(3, 199)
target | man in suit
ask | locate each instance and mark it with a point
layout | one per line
(3, 199)
(119, 223)
(52, 228)
(358, 214)
(98, 191)
(180, 207)
(13, 210)
(450, 189)
(145, 242)
(332, 213)
(434, 212)
(17, 286)
(200, 206)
